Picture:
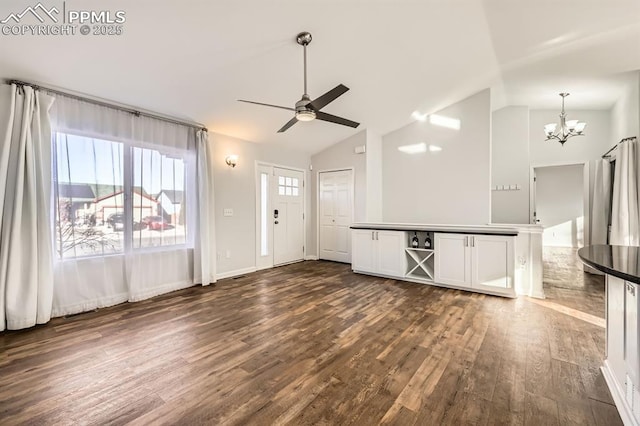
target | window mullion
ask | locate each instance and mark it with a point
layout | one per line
(127, 180)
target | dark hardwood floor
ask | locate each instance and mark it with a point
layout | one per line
(312, 343)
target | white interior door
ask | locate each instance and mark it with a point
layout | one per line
(335, 215)
(288, 219)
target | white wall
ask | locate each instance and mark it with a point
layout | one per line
(374, 177)
(559, 203)
(236, 189)
(447, 187)
(510, 164)
(625, 114)
(591, 146)
(339, 156)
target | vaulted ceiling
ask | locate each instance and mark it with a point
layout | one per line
(195, 59)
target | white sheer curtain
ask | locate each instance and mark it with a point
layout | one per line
(26, 278)
(601, 202)
(155, 183)
(204, 245)
(625, 220)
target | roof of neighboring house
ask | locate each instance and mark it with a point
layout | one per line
(174, 196)
(76, 191)
(102, 190)
(93, 191)
(136, 190)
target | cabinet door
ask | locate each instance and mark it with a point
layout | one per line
(452, 260)
(492, 262)
(616, 290)
(631, 331)
(362, 250)
(391, 257)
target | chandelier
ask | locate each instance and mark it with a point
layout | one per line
(567, 128)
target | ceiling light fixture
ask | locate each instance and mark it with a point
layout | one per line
(567, 129)
(305, 114)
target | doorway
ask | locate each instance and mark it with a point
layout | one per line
(279, 215)
(335, 214)
(559, 204)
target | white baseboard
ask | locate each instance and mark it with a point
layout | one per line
(237, 272)
(618, 395)
(537, 295)
(311, 257)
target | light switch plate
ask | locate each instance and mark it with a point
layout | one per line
(227, 212)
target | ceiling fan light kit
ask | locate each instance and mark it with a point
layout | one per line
(307, 109)
(567, 129)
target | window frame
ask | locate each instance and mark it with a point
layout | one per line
(189, 160)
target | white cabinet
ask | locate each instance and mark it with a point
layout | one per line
(452, 260)
(621, 367)
(378, 252)
(481, 262)
(492, 263)
(362, 250)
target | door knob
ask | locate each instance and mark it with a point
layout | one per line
(276, 222)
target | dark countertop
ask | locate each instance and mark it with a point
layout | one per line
(452, 229)
(619, 261)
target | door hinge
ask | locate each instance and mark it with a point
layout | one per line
(534, 178)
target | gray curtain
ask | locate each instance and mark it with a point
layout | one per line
(625, 214)
(26, 251)
(601, 202)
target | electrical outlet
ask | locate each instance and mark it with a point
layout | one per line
(228, 254)
(219, 256)
(227, 212)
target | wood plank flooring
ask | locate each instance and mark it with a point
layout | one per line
(312, 343)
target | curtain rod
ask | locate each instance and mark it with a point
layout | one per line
(107, 104)
(606, 154)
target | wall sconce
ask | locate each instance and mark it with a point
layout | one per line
(231, 160)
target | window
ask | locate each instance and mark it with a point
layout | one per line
(264, 218)
(89, 196)
(288, 186)
(158, 199)
(103, 206)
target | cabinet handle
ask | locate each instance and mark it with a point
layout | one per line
(376, 235)
(473, 241)
(372, 235)
(631, 289)
(466, 241)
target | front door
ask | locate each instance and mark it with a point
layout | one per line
(335, 215)
(288, 219)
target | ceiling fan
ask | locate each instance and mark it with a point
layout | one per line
(307, 109)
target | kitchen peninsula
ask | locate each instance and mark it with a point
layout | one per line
(502, 260)
(621, 368)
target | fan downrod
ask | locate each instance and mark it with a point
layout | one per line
(304, 38)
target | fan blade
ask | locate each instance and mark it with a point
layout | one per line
(328, 97)
(269, 105)
(289, 124)
(338, 120)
